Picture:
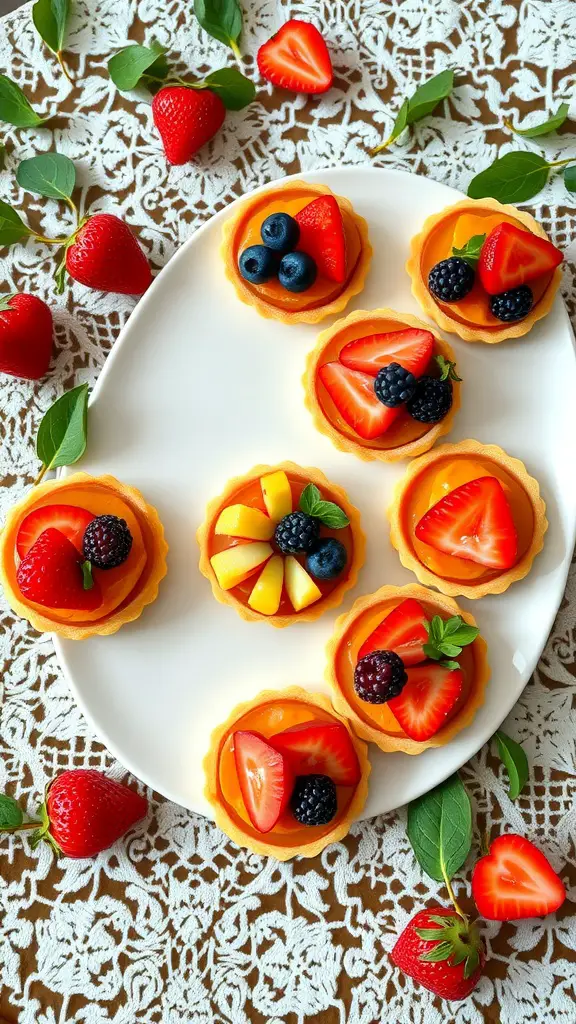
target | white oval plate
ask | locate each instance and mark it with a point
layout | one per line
(198, 389)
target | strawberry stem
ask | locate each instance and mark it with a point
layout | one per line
(25, 826)
(50, 241)
(236, 51)
(453, 899)
(40, 476)
(65, 71)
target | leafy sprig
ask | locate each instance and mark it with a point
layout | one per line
(515, 762)
(221, 19)
(328, 512)
(446, 638)
(447, 368)
(422, 102)
(514, 178)
(552, 124)
(50, 19)
(471, 250)
(15, 108)
(63, 431)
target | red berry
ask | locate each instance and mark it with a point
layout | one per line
(67, 519)
(402, 631)
(87, 812)
(353, 395)
(422, 937)
(428, 700)
(511, 256)
(296, 58)
(322, 237)
(186, 119)
(25, 336)
(265, 777)
(105, 255)
(411, 347)
(515, 881)
(51, 575)
(320, 747)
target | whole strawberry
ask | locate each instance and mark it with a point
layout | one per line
(442, 951)
(186, 119)
(105, 255)
(25, 336)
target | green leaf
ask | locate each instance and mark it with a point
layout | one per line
(545, 127)
(442, 951)
(11, 226)
(331, 515)
(127, 67)
(513, 178)
(52, 175)
(570, 178)
(63, 430)
(429, 95)
(221, 19)
(447, 369)
(10, 814)
(87, 577)
(399, 124)
(471, 251)
(2, 156)
(50, 18)
(446, 663)
(309, 498)
(440, 829)
(14, 107)
(450, 650)
(234, 89)
(515, 762)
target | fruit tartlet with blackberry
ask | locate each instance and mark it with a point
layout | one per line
(468, 519)
(285, 774)
(282, 544)
(408, 668)
(81, 556)
(296, 252)
(382, 385)
(485, 271)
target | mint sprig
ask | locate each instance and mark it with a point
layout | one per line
(545, 127)
(447, 368)
(422, 102)
(446, 638)
(50, 19)
(440, 829)
(328, 512)
(514, 178)
(471, 250)
(221, 19)
(515, 761)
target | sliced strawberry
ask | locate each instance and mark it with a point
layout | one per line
(428, 698)
(353, 395)
(510, 257)
(515, 881)
(473, 521)
(402, 631)
(322, 237)
(68, 519)
(323, 747)
(51, 575)
(296, 58)
(265, 776)
(412, 348)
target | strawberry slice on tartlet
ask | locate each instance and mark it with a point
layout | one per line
(510, 257)
(296, 58)
(515, 881)
(320, 747)
(355, 399)
(412, 348)
(67, 519)
(322, 237)
(402, 631)
(428, 699)
(265, 776)
(51, 574)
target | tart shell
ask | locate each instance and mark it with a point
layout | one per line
(430, 306)
(463, 717)
(214, 796)
(400, 538)
(347, 444)
(304, 316)
(146, 589)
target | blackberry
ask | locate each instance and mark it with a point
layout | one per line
(297, 533)
(431, 401)
(107, 542)
(394, 385)
(451, 279)
(314, 800)
(328, 559)
(512, 305)
(379, 676)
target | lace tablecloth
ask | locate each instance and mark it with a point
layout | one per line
(178, 925)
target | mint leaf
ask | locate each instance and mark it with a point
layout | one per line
(570, 178)
(14, 107)
(471, 251)
(52, 175)
(440, 829)
(447, 638)
(513, 178)
(135, 62)
(221, 19)
(309, 498)
(450, 650)
(452, 665)
(447, 369)
(428, 96)
(234, 89)
(12, 228)
(515, 762)
(62, 433)
(331, 515)
(545, 127)
(10, 814)
(464, 635)
(452, 625)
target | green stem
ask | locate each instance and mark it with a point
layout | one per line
(40, 476)
(453, 899)
(562, 163)
(236, 51)
(26, 826)
(381, 147)
(51, 241)
(65, 71)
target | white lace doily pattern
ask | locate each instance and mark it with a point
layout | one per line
(178, 926)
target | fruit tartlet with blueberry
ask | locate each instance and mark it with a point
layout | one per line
(285, 774)
(484, 271)
(282, 544)
(297, 252)
(382, 385)
(408, 668)
(81, 556)
(468, 519)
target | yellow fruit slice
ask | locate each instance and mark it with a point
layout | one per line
(455, 474)
(234, 565)
(470, 224)
(243, 521)
(267, 593)
(277, 495)
(301, 588)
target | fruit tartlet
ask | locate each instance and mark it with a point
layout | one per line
(81, 556)
(382, 385)
(282, 544)
(484, 271)
(285, 774)
(468, 519)
(297, 252)
(408, 668)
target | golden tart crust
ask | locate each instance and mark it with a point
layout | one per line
(232, 239)
(242, 833)
(329, 491)
(400, 533)
(350, 632)
(331, 342)
(440, 314)
(145, 590)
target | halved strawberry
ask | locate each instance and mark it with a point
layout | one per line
(402, 631)
(68, 519)
(320, 747)
(473, 521)
(322, 237)
(265, 777)
(510, 257)
(428, 698)
(353, 395)
(412, 348)
(296, 58)
(51, 575)
(515, 881)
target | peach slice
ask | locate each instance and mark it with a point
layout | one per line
(246, 522)
(301, 588)
(267, 593)
(235, 564)
(277, 495)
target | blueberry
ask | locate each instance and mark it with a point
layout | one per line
(327, 560)
(280, 232)
(258, 264)
(297, 271)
